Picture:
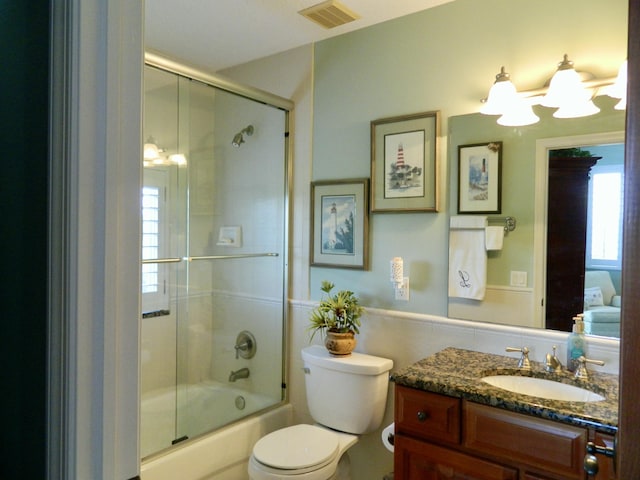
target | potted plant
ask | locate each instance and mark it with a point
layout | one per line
(337, 317)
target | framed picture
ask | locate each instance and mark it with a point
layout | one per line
(404, 163)
(480, 178)
(340, 223)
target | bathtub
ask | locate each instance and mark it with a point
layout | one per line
(221, 454)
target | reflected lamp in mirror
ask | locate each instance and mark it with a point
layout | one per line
(619, 87)
(151, 151)
(152, 156)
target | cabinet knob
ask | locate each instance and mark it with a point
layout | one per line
(591, 464)
(422, 415)
(590, 459)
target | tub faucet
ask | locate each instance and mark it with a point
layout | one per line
(242, 373)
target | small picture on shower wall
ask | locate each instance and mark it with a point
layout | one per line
(339, 223)
(480, 178)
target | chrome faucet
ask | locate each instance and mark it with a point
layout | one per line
(242, 373)
(553, 364)
(581, 370)
(523, 363)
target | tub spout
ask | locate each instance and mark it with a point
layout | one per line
(242, 373)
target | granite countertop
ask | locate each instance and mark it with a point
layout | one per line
(457, 373)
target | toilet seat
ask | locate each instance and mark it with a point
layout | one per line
(297, 449)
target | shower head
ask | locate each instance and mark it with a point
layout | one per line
(239, 137)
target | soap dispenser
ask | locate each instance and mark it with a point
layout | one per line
(576, 344)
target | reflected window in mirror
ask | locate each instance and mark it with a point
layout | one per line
(604, 221)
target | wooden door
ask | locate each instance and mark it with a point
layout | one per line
(628, 458)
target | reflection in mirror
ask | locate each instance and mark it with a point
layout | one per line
(583, 246)
(524, 188)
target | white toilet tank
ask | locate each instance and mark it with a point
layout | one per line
(346, 393)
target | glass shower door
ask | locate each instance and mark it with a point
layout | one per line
(214, 253)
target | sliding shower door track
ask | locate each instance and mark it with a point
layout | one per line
(209, 257)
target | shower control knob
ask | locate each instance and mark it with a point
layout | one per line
(245, 346)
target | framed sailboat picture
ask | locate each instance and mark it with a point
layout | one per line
(480, 178)
(404, 163)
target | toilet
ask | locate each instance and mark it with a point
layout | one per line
(346, 397)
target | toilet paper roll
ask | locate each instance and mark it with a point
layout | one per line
(388, 434)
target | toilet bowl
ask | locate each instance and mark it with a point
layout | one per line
(303, 452)
(358, 384)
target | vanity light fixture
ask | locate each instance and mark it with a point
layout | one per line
(567, 92)
(501, 95)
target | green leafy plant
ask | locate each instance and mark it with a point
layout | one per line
(339, 312)
(570, 153)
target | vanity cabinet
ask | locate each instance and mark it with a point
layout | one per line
(440, 437)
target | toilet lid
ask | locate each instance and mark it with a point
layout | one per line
(296, 447)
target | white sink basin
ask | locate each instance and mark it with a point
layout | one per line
(539, 387)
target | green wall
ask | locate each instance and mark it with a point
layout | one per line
(24, 37)
(443, 59)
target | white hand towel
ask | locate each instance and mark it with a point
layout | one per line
(467, 257)
(493, 237)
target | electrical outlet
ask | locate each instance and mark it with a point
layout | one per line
(402, 292)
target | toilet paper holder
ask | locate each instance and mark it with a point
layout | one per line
(388, 437)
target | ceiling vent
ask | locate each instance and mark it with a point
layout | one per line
(329, 14)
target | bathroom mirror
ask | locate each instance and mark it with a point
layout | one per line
(524, 190)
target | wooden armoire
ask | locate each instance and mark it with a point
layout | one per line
(568, 192)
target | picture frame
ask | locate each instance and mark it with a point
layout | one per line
(480, 178)
(405, 163)
(340, 223)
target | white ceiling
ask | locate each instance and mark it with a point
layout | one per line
(218, 34)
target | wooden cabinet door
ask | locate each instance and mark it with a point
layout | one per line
(426, 415)
(606, 469)
(542, 444)
(417, 460)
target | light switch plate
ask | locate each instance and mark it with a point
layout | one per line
(518, 279)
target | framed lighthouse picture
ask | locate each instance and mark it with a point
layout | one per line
(340, 223)
(404, 163)
(480, 178)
